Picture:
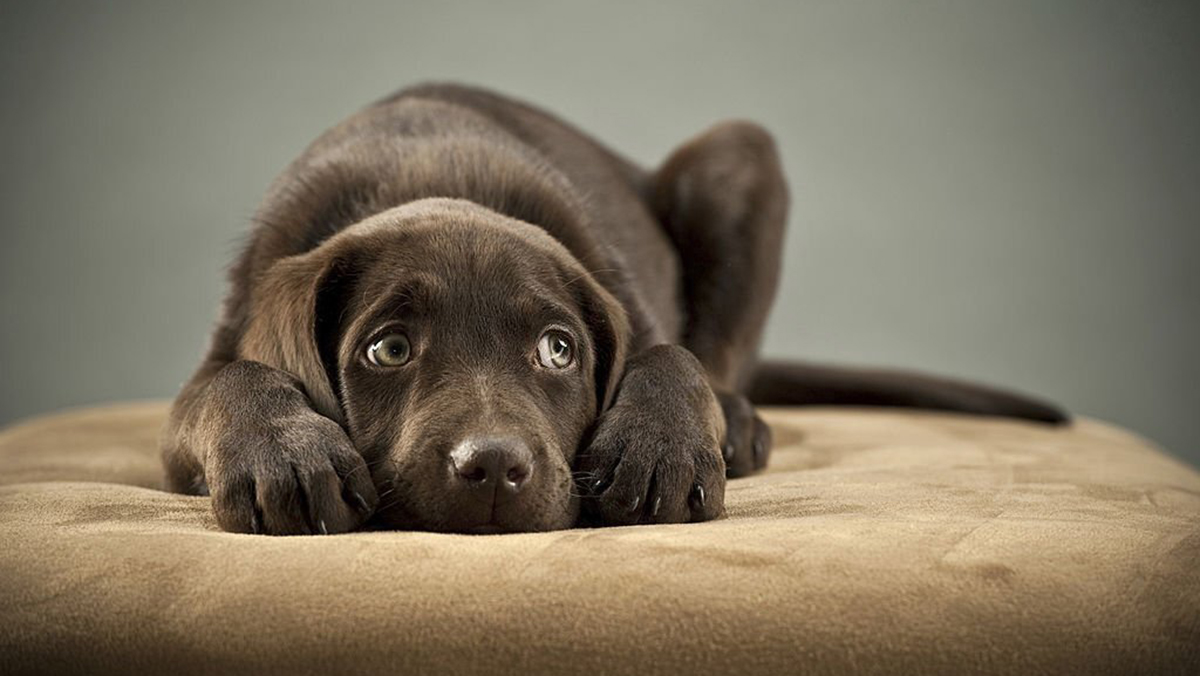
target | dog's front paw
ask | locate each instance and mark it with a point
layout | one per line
(655, 456)
(294, 475)
(747, 438)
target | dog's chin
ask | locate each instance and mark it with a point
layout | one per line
(549, 518)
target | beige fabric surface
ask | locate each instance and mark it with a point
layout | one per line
(878, 542)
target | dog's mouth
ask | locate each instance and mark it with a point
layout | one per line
(490, 528)
(468, 517)
(486, 498)
(393, 519)
(491, 524)
(457, 518)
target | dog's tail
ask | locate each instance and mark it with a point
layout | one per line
(802, 384)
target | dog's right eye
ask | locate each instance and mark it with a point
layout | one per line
(391, 350)
(554, 350)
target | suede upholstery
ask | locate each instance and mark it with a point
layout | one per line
(879, 542)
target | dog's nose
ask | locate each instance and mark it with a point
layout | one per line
(501, 462)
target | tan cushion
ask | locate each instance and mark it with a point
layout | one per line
(878, 542)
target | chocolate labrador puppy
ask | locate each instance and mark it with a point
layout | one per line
(458, 313)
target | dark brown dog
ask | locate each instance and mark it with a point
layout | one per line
(458, 313)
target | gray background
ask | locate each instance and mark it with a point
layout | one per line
(1004, 191)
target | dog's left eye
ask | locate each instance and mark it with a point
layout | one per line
(391, 350)
(554, 350)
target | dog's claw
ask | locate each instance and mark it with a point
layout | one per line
(360, 503)
(697, 497)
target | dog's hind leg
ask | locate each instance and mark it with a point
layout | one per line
(723, 200)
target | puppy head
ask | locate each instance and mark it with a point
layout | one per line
(466, 354)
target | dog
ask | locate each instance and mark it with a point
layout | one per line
(458, 313)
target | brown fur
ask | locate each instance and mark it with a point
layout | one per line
(473, 224)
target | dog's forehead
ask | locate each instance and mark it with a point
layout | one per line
(442, 263)
(450, 237)
(455, 220)
(462, 263)
(467, 272)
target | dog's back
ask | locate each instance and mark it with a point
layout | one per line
(461, 142)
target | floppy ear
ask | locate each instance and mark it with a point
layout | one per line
(610, 331)
(294, 317)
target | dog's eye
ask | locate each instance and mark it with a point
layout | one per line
(391, 350)
(554, 350)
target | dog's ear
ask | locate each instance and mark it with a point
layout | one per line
(295, 319)
(609, 327)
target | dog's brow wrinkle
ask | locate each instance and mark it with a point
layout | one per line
(585, 273)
